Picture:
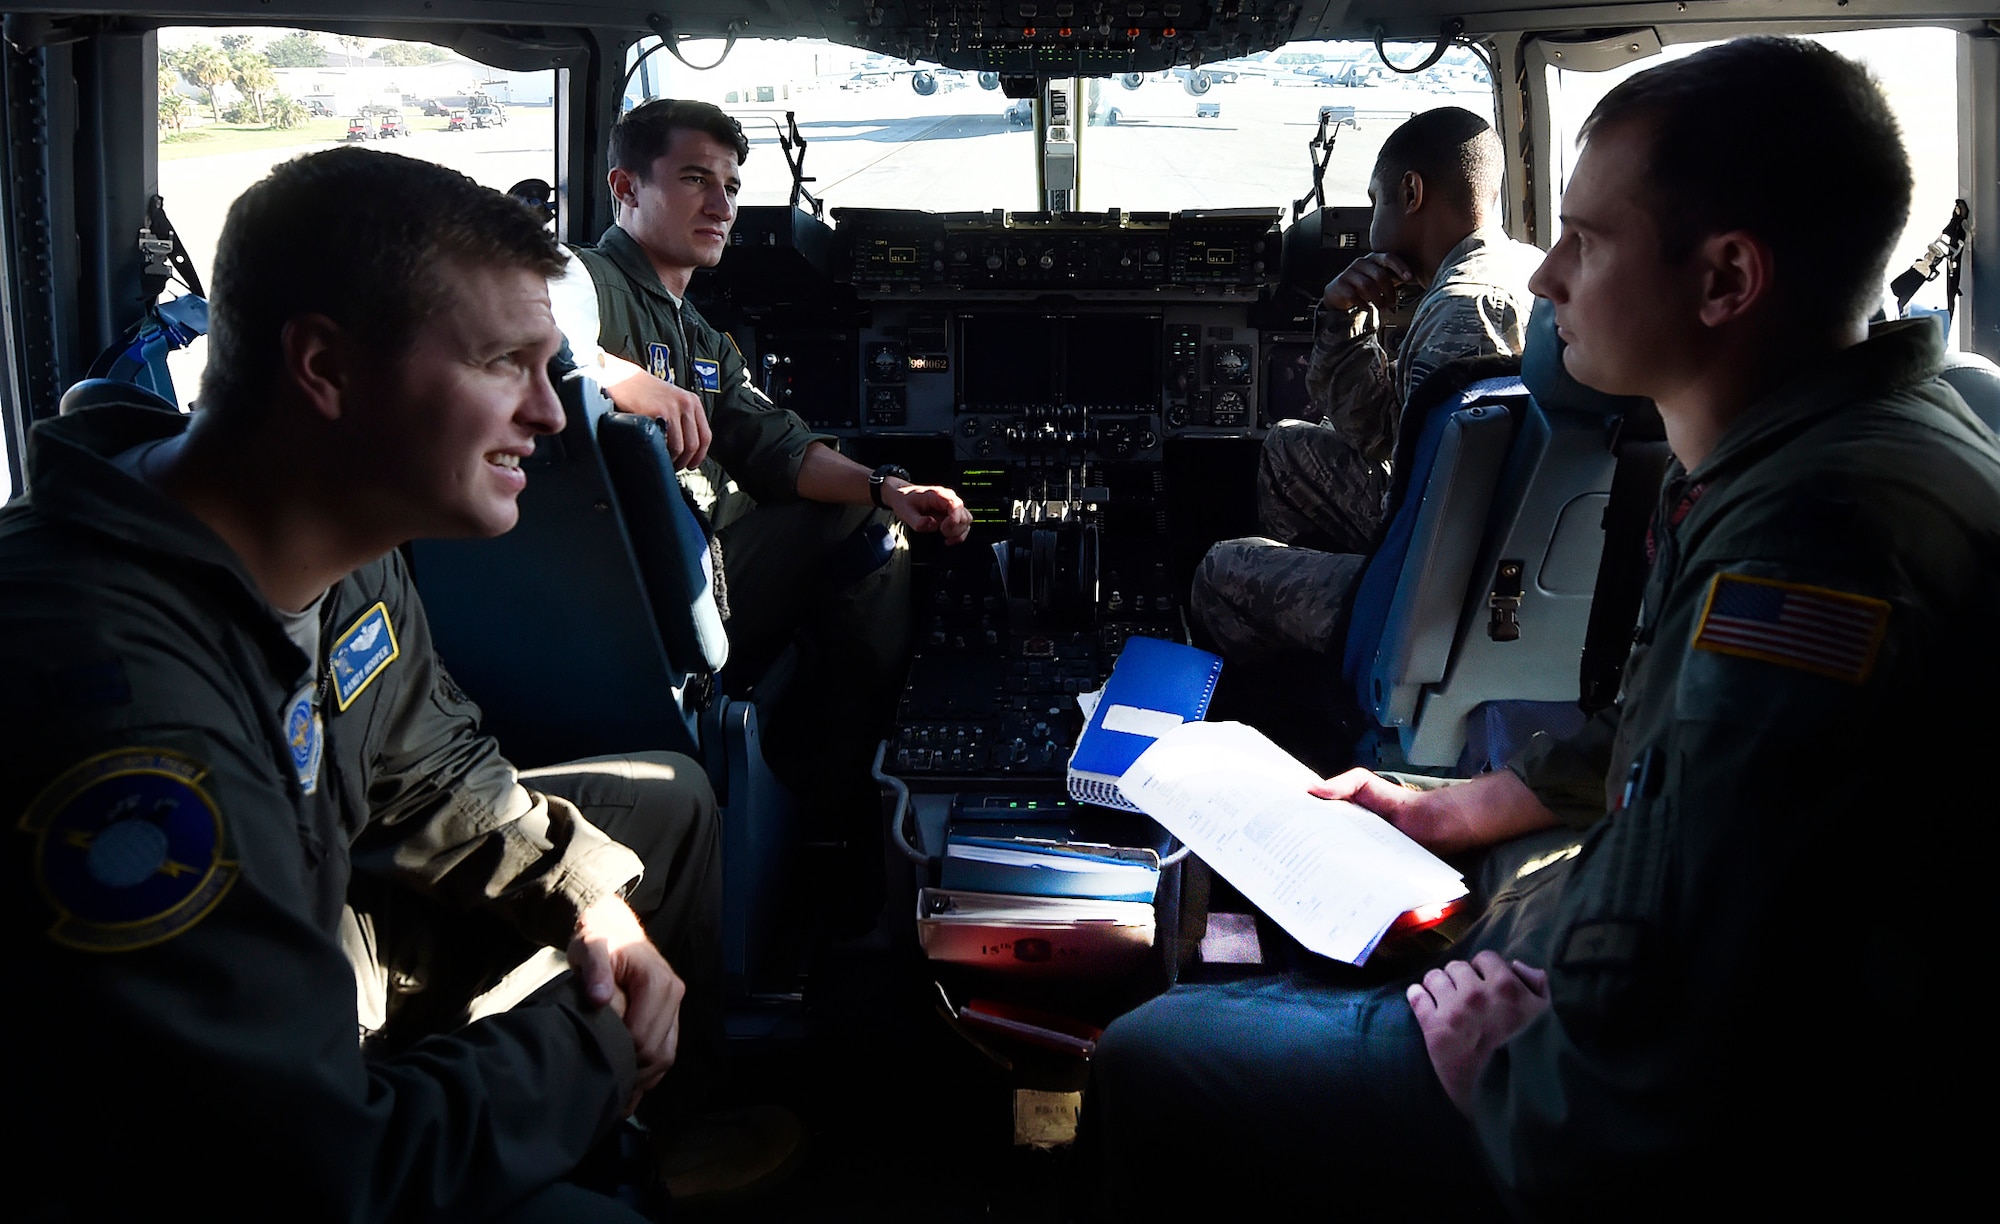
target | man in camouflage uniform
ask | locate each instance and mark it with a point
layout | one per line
(1321, 484)
(1729, 992)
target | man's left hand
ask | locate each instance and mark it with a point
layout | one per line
(617, 964)
(1468, 1009)
(678, 410)
(930, 508)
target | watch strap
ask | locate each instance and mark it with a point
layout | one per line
(879, 479)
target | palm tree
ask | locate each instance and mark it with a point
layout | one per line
(288, 112)
(173, 110)
(169, 70)
(206, 66)
(252, 74)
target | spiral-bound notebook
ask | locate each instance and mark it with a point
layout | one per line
(1155, 686)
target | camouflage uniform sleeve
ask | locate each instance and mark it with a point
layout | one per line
(1456, 324)
(1351, 383)
(1360, 388)
(449, 815)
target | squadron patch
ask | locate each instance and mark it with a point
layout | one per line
(708, 374)
(128, 849)
(660, 361)
(305, 736)
(1791, 624)
(361, 654)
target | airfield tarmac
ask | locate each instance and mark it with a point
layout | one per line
(886, 147)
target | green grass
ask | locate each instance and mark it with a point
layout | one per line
(237, 138)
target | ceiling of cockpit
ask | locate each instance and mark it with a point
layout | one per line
(1011, 37)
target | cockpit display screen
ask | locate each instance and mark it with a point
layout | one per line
(1006, 361)
(1014, 360)
(1111, 361)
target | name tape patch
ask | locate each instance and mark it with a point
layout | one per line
(361, 654)
(128, 849)
(708, 374)
(1792, 624)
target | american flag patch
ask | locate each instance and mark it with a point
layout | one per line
(1818, 630)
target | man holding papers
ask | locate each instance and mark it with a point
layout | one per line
(1713, 999)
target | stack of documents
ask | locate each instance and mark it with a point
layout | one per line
(1333, 874)
(1028, 904)
(1039, 868)
(1034, 935)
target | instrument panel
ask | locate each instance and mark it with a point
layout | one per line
(1034, 337)
(1097, 381)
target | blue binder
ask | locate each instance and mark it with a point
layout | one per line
(1155, 686)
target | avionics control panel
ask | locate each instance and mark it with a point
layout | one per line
(1030, 337)
(1046, 381)
(1074, 363)
(1219, 250)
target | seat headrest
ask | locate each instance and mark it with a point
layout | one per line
(1977, 382)
(667, 542)
(1550, 383)
(94, 392)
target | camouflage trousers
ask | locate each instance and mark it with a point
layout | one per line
(1320, 504)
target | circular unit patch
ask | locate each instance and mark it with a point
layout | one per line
(305, 736)
(128, 849)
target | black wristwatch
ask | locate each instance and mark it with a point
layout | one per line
(880, 477)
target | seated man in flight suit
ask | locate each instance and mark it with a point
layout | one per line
(787, 507)
(1322, 485)
(1722, 996)
(244, 786)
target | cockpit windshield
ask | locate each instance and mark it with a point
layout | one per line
(883, 133)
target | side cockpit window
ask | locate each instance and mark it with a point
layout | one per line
(1918, 71)
(235, 102)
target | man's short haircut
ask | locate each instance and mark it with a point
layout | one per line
(1453, 150)
(357, 236)
(1783, 139)
(641, 137)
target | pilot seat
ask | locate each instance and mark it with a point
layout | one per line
(1468, 630)
(593, 629)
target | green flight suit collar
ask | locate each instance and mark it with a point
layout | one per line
(1895, 355)
(74, 481)
(624, 250)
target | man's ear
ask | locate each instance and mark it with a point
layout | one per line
(319, 361)
(1739, 276)
(624, 187)
(1411, 192)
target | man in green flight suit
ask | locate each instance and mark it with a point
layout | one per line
(296, 928)
(1724, 995)
(788, 508)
